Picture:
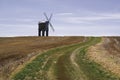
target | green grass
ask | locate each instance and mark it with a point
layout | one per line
(36, 65)
(63, 70)
(91, 69)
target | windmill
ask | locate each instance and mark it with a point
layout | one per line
(43, 27)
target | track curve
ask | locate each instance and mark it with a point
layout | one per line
(63, 63)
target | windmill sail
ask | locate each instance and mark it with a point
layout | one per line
(49, 21)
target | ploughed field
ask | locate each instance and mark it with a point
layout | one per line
(15, 51)
(60, 58)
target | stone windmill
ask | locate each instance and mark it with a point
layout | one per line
(43, 27)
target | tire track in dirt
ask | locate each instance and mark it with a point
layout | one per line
(79, 74)
(58, 64)
(73, 55)
(67, 63)
(50, 74)
(68, 67)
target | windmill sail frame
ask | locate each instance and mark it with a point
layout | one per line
(43, 27)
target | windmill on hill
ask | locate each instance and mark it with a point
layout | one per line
(43, 27)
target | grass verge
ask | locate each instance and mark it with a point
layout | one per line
(91, 69)
(63, 70)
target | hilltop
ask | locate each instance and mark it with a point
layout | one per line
(15, 51)
(87, 58)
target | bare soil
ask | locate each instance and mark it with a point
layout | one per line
(107, 54)
(112, 45)
(15, 51)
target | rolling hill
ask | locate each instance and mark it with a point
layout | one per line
(15, 51)
(60, 58)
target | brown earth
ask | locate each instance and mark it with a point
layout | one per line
(107, 54)
(112, 45)
(15, 51)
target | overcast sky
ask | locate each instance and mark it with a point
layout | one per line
(70, 17)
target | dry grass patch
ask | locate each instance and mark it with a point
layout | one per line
(15, 51)
(103, 57)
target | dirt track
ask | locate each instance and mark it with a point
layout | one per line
(65, 63)
(17, 50)
(70, 62)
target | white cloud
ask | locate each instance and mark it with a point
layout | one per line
(19, 19)
(64, 14)
(87, 30)
(16, 25)
(70, 18)
(64, 26)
